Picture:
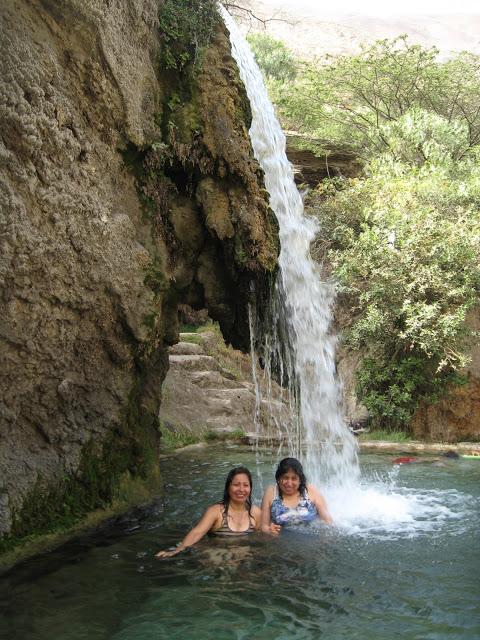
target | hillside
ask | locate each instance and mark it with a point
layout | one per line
(313, 31)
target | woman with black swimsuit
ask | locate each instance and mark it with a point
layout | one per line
(234, 515)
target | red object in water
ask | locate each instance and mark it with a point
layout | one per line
(404, 460)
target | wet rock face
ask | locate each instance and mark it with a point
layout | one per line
(310, 169)
(90, 282)
(454, 418)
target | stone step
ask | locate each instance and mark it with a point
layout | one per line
(194, 363)
(214, 380)
(186, 349)
(229, 404)
(239, 392)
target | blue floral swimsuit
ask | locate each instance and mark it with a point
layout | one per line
(305, 511)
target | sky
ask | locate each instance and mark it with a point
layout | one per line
(376, 7)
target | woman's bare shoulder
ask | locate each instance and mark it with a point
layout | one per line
(214, 511)
(312, 490)
(216, 508)
(213, 515)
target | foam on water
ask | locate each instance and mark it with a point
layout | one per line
(379, 512)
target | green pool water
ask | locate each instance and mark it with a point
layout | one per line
(402, 562)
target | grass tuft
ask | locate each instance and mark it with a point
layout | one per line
(386, 436)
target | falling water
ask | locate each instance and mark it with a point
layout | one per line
(301, 349)
(299, 344)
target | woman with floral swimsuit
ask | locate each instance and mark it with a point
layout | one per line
(291, 500)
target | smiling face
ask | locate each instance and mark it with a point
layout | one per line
(289, 483)
(240, 488)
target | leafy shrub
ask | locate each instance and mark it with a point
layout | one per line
(273, 57)
(404, 243)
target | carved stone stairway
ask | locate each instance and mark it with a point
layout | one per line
(201, 395)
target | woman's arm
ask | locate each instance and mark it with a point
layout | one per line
(257, 516)
(319, 501)
(267, 526)
(206, 522)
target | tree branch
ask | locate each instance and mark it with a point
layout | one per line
(246, 11)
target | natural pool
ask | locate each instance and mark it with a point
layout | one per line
(404, 562)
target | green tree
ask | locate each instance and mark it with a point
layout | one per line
(350, 99)
(273, 57)
(404, 242)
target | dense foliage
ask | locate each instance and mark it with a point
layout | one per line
(403, 238)
(273, 57)
(404, 243)
(350, 99)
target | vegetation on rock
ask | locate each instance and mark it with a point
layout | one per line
(187, 26)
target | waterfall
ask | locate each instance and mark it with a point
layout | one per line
(299, 345)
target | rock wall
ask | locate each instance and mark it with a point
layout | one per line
(456, 416)
(125, 190)
(310, 169)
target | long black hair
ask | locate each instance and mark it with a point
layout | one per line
(291, 464)
(231, 475)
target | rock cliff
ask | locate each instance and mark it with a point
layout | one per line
(456, 415)
(127, 187)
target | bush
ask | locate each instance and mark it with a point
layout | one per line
(404, 243)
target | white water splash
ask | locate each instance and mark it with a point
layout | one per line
(384, 509)
(301, 344)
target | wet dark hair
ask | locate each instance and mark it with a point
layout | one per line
(291, 464)
(231, 475)
(450, 454)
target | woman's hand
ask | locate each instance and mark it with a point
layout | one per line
(169, 553)
(272, 529)
(207, 521)
(267, 525)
